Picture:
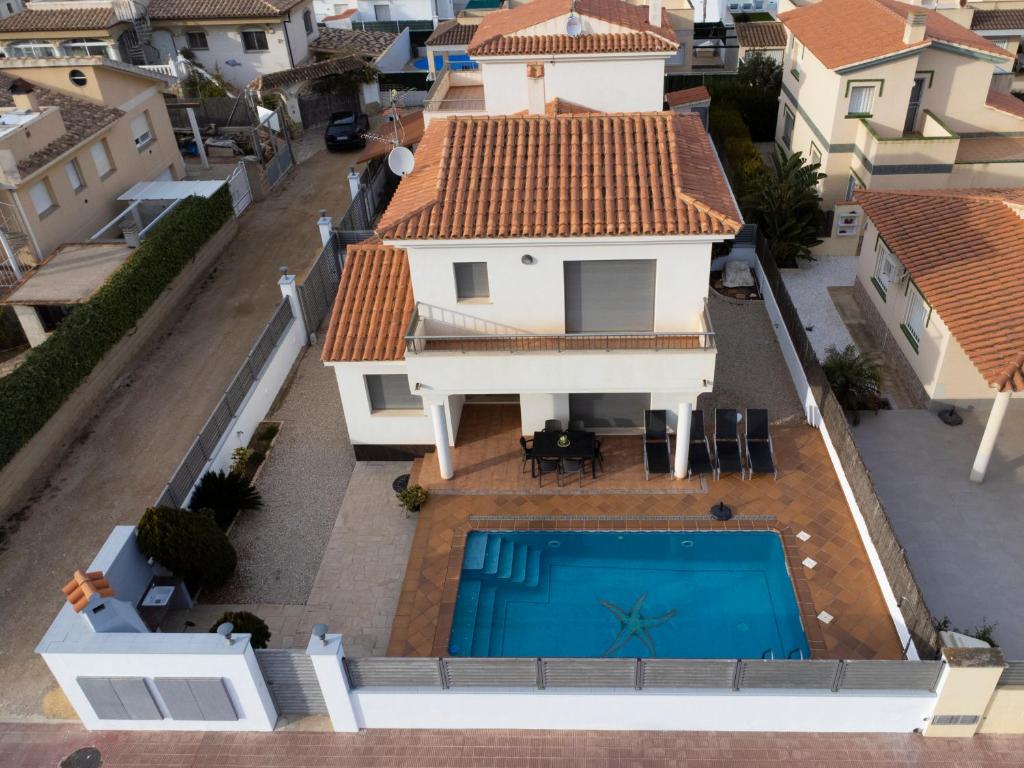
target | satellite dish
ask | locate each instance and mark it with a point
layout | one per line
(573, 25)
(401, 161)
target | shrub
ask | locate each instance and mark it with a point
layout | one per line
(413, 497)
(268, 433)
(239, 460)
(246, 623)
(189, 544)
(225, 494)
(855, 379)
(52, 371)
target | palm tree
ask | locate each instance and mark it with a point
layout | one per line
(784, 203)
(855, 379)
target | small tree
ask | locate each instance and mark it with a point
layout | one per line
(855, 379)
(785, 204)
(343, 81)
(248, 624)
(225, 494)
(189, 544)
(759, 72)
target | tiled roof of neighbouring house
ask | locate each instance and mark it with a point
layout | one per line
(307, 72)
(373, 306)
(688, 96)
(59, 20)
(83, 586)
(761, 34)
(352, 41)
(218, 9)
(452, 33)
(650, 173)
(82, 119)
(1012, 18)
(348, 12)
(844, 32)
(1005, 102)
(507, 32)
(964, 249)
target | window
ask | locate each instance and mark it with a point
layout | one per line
(254, 40)
(382, 12)
(887, 268)
(75, 175)
(142, 133)
(609, 296)
(101, 156)
(390, 392)
(471, 280)
(815, 154)
(916, 317)
(798, 54)
(307, 21)
(196, 41)
(78, 78)
(41, 198)
(86, 46)
(34, 49)
(852, 184)
(862, 97)
(788, 121)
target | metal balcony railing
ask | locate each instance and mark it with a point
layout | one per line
(419, 339)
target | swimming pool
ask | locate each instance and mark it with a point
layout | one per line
(456, 61)
(589, 594)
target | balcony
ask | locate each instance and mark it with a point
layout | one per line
(932, 148)
(455, 92)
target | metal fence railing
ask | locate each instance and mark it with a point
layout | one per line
(642, 674)
(1013, 674)
(205, 445)
(318, 289)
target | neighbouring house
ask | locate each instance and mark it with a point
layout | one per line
(451, 38)
(240, 39)
(589, 55)
(402, 10)
(887, 95)
(941, 272)
(765, 37)
(385, 51)
(484, 279)
(1004, 26)
(697, 100)
(75, 133)
(10, 7)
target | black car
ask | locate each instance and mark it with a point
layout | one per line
(345, 130)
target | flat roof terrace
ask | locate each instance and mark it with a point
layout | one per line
(72, 274)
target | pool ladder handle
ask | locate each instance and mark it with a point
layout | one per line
(769, 655)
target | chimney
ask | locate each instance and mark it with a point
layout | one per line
(535, 87)
(92, 598)
(913, 32)
(24, 95)
(654, 13)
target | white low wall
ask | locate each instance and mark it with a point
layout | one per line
(629, 710)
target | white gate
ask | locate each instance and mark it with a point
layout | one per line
(241, 192)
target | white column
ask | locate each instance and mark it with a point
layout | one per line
(353, 182)
(683, 439)
(430, 65)
(29, 319)
(197, 137)
(290, 290)
(988, 440)
(444, 451)
(324, 224)
(327, 655)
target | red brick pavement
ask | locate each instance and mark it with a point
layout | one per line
(44, 746)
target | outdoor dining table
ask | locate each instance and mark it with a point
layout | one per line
(582, 445)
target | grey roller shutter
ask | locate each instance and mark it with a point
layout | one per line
(609, 296)
(391, 392)
(178, 698)
(471, 280)
(119, 698)
(137, 700)
(196, 698)
(616, 409)
(213, 700)
(99, 692)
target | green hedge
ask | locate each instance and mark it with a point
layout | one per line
(732, 136)
(52, 371)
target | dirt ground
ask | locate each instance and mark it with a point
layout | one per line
(120, 464)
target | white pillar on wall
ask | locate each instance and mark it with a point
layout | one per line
(324, 224)
(444, 451)
(353, 183)
(327, 656)
(683, 439)
(290, 290)
(988, 439)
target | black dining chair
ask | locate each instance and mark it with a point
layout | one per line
(552, 425)
(526, 444)
(573, 467)
(577, 425)
(598, 456)
(547, 467)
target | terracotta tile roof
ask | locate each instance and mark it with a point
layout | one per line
(1005, 102)
(373, 306)
(352, 42)
(452, 33)
(563, 107)
(964, 248)
(651, 173)
(83, 586)
(991, 149)
(844, 32)
(688, 96)
(343, 15)
(59, 20)
(411, 133)
(166, 10)
(307, 72)
(761, 34)
(1011, 18)
(82, 119)
(499, 32)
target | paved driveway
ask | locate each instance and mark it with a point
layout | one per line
(121, 462)
(964, 540)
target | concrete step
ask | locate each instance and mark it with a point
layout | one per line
(492, 554)
(533, 568)
(464, 622)
(519, 558)
(484, 621)
(476, 550)
(505, 556)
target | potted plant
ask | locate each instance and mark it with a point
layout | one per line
(855, 379)
(412, 498)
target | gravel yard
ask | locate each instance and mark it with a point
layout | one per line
(303, 482)
(808, 288)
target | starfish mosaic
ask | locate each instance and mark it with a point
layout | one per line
(635, 624)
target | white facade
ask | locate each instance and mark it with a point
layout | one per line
(404, 10)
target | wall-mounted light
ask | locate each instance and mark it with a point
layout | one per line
(528, 259)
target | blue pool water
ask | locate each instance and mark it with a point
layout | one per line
(456, 61)
(587, 594)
